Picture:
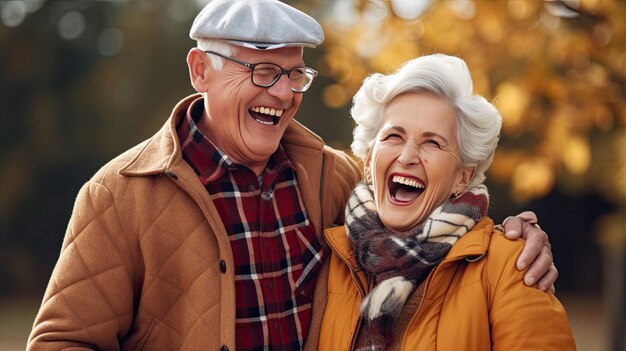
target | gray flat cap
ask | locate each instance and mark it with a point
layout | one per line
(257, 24)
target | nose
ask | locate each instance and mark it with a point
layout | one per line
(282, 88)
(410, 155)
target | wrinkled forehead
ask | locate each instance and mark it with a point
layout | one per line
(424, 111)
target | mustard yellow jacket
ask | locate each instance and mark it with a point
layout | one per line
(146, 263)
(474, 300)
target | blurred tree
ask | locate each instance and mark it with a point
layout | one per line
(44, 147)
(81, 82)
(556, 70)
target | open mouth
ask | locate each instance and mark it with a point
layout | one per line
(266, 115)
(405, 189)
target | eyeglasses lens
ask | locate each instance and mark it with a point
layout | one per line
(266, 74)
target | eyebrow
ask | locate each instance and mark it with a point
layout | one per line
(425, 134)
(398, 128)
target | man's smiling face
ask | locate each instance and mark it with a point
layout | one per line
(245, 121)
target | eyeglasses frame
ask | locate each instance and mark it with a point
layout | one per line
(283, 71)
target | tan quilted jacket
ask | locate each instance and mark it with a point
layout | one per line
(146, 262)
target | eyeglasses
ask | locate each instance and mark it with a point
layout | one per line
(266, 74)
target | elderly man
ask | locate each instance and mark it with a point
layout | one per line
(207, 235)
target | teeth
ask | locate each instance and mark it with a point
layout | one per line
(407, 181)
(268, 111)
(264, 122)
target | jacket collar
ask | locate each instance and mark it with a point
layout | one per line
(474, 243)
(163, 150)
(337, 239)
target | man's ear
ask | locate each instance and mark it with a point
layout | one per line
(198, 64)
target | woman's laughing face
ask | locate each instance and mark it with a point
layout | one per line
(415, 160)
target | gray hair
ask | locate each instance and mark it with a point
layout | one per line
(446, 77)
(220, 46)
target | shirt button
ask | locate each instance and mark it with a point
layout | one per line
(224, 348)
(222, 266)
(251, 187)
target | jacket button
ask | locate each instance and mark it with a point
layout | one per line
(171, 174)
(223, 269)
(224, 348)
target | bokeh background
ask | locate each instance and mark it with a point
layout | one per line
(83, 80)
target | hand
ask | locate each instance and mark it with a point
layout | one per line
(537, 251)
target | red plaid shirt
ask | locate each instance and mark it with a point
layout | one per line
(275, 248)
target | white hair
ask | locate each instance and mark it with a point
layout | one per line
(446, 77)
(220, 46)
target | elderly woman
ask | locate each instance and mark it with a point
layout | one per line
(419, 265)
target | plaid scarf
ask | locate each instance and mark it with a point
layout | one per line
(398, 262)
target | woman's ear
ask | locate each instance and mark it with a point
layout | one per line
(367, 166)
(197, 61)
(464, 180)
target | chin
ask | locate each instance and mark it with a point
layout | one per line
(263, 146)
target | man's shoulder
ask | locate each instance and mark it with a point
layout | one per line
(342, 159)
(151, 156)
(298, 137)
